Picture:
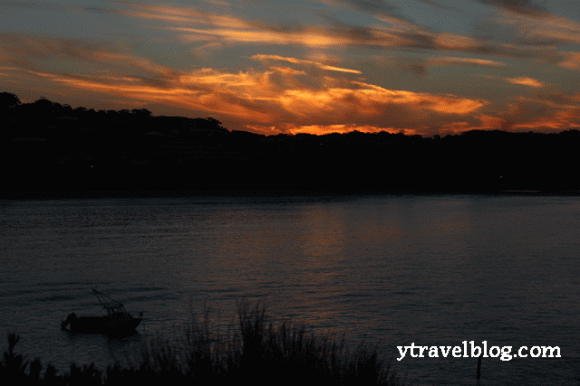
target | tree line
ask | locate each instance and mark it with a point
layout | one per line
(49, 147)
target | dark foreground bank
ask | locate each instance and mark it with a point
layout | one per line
(253, 352)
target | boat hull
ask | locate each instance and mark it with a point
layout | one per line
(109, 325)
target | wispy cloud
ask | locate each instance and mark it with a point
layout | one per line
(525, 81)
(179, 15)
(266, 58)
(454, 61)
(33, 53)
(540, 114)
(420, 65)
(526, 7)
(276, 96)
(571, 60)
(194, 26)
(525, 114)
(522, 81)
(550, 30)
(370, 6)
(315, 77)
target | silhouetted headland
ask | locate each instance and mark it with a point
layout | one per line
(49, 147)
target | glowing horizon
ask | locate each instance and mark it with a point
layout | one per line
(304, 66)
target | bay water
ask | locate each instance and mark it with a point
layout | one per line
(389, 270)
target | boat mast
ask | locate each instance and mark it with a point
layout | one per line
(112, 306)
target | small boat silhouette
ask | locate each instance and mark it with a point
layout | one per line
(117, 322)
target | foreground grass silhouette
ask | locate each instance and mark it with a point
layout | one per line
(252, 353)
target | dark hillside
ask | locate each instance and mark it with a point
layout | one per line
(46, 146)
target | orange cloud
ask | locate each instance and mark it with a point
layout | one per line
(36, 53)
(523, 115)
(369, 99)
(522, 80)
(571, 60)
(546, 30)
(278, 96)
(275, 101)
(265, 58)
(453, 61)
(525, 81)
(7, 71)
(544, 115)
(231, 29)
(195, 26)
(274, 96)
(289, 71)
(285, 94)
(310, 37)
(218, 102)
(344, 128)
(182, 15)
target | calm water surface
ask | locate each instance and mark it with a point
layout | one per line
(433, 270)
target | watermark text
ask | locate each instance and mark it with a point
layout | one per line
(470, 350)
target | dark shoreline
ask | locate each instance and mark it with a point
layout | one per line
(233, 193)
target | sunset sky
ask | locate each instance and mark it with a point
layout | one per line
(315, 66)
